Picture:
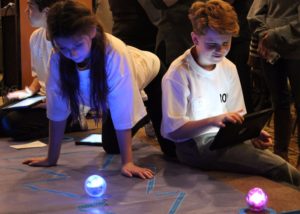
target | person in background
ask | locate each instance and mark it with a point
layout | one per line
(239, 51)
(277, 26)
(174, 28)
(31, 123)
(202, 92)
(129, 20)
(260, 92)
(95, 69)
(132, 25)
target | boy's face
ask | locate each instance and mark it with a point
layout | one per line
(212, 47)
(36, 18)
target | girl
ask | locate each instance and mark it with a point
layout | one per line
(95, 69)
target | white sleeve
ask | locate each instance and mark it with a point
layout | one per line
(174, 105)
(57, 106)
(124, 99)
(32, 54)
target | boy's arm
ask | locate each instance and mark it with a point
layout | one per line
(192, 129)
(128, 167)
(56, 133)
(35, 85)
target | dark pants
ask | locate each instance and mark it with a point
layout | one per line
(277, 77)
(28, 124)
(154, 111)
(24, 124)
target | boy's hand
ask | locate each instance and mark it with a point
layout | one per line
(130, 169)
(231, 117)
(38, 162)
(21, 94)
(263, 141)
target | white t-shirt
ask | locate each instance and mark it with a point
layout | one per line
(191, 93)
(40, 49)
(128, 70)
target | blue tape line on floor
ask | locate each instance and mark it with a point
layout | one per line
(51, 172)
(166, 193)
(177, 203)
(89, 207)
(59, 176)
(107, 162)
(15, 169)
(66, 194)
(150, 185)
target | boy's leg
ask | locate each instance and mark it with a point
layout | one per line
(26, 124)
(242, 158)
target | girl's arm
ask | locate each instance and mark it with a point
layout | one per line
(128, 167)
(56, 133)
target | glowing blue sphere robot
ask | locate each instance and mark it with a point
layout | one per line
(95, 186)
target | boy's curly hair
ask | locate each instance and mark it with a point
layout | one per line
(217, 15)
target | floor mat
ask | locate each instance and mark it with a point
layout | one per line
(175, 188)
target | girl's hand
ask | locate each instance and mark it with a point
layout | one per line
(38, 162)
(231, 117)
(263, 141)
(130, 170)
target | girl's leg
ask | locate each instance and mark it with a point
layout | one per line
(109, 137)
(154, 110)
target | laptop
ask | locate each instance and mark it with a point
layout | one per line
(233, 134)
(25, 103)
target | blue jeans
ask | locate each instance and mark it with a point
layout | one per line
(241, 158)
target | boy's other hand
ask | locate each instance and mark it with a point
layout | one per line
(263, 141)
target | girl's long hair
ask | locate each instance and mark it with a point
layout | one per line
(68, 19)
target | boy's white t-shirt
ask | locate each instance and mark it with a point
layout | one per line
(40, 50)
(191, 93)
(128, 70)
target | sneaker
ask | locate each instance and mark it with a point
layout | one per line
(149, 130)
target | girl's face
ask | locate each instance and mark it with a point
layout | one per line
(36, 18)
(75, 48)
(211, 48)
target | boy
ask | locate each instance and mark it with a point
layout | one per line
(201, 91)
(32, 123)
